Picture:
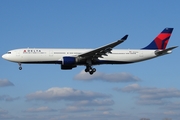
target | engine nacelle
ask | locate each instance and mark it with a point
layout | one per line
(68, 60)
(68, 63)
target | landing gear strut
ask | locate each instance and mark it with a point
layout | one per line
(89, 68)
(20, 68)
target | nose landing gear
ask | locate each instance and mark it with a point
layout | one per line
(20, 68)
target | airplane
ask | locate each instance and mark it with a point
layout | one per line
(71, 58)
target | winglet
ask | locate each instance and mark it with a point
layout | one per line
(125, 37)
(122, 39)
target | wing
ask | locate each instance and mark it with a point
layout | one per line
(98, 52)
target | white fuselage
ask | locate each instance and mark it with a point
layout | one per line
(53, 56)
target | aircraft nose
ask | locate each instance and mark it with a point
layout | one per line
(4, 56)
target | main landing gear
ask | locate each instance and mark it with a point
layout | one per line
(90, 70)
(20, 68)
(89, 67)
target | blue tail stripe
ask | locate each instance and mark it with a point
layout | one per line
(167, 30)
(152, 45)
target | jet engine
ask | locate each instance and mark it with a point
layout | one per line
(68, 62)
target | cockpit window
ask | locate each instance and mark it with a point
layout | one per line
(8, 52)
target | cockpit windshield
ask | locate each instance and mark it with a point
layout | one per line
(8, 52)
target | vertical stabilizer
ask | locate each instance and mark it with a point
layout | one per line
(161, 41)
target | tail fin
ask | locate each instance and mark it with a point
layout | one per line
(161, 41)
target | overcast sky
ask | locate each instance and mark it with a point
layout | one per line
(149, 89)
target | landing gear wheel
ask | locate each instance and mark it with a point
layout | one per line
(20, 68)
(86, 70)
(91, 72)
(94, 69)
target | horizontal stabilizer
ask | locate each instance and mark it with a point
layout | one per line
(166, 51)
